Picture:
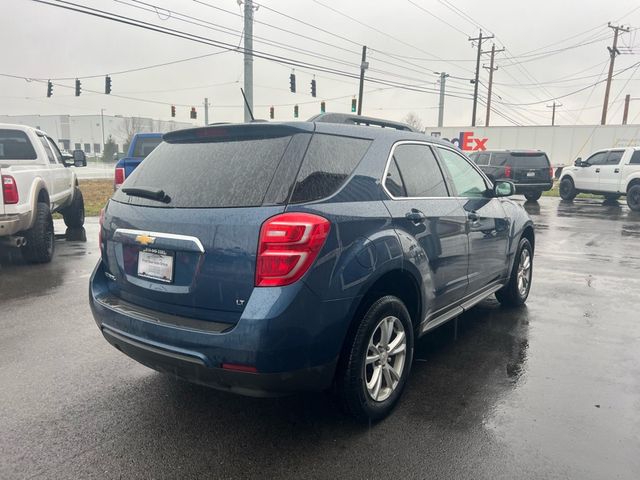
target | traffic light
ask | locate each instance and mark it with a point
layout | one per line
(353, 105)
(173, 110)
(295, 111)
(49, 88)
(272, 113)
(313, 88)
(78, 87)
(323, 107)
(107, 85)
(194, 114)
(292, 82)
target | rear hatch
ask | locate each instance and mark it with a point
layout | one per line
(529, 167)
(15, 150)
(191, 250)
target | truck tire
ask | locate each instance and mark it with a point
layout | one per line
(74, 214)
(516, 292)
(633, 197)
(533, 196)
(40, 238)
(375, 365)
(567, 189)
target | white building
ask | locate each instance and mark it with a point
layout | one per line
(562, 143)
(85, 132)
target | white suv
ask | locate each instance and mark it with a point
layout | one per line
(612, 173)
(35, 184)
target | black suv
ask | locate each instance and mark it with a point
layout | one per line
(266, 258)
(529, 170)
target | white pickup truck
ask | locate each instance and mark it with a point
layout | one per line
(612, 173)
(35, 184)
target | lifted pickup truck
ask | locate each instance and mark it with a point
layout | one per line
(612, 173)
(142, 144)
(36, 184)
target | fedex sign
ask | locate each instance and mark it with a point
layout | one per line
(466, 141)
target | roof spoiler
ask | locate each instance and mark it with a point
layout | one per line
(359, 120)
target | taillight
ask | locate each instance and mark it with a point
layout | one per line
(507, 171)
(550, 172)
(289, 244)
(9, 190)
(118, 178)
(100, 223)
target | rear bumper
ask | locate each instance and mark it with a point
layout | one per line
(291, 337)
(12, 224)
(533, 187)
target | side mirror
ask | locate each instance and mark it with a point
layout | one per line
(579, 162)
(66, 158)
(79, 158)
(503, 188)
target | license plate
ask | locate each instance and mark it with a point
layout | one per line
(531, 174)
(155, 264)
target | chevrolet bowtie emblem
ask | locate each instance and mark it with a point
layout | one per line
(145, 239)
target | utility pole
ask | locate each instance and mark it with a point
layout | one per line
(363, 66)
(248, 58)
(613, 52)
(553, 111)
(491, 69)
(625, 115)
(206, 111)
(443, 80)
(479, 39)
(102, 125)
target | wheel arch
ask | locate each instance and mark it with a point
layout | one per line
(631, 183)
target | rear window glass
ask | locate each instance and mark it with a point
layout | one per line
(144, 146)
(15, 145)
(232, 173)
(523, 160)
(329, 161)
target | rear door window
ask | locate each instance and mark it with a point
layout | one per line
(499, 159)
(329, 161)
(233, 172)
(614, 157)
(144, 146)
(414, 172)
(481, 159)
(15, 145)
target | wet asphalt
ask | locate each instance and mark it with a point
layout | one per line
(551, 390)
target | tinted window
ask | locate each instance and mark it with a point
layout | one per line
(635, 158)
(15, 145)
(232, 173)
(598, 158)
(499, 159)
(47, 148)
(329, 161)
(394, 182)
(614, 157)
(538, 160)
(481, 159)
(419, 171)
(56, 150)
(144, 146)
(466, 179)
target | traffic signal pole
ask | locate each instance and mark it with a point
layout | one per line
(363, 66)
(248, 59)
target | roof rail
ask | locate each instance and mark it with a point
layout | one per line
(359, 120)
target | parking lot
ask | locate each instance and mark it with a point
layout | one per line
(551, 390)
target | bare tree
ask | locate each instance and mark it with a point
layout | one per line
(414, 121)
(129, 127)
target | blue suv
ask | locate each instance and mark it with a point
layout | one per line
(267, 258)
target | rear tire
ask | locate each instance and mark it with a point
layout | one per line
(375, 366)
(74, 214)
(516, 292)
(567, 189)
(40, 239)
(633, 197)
(533, 197)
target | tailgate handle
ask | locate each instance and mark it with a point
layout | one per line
(170, 241)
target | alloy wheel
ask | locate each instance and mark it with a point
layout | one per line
(385, 358)
(524, 272)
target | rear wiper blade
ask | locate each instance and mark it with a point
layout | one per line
(145, 192)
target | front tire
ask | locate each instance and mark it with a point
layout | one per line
(377, 361)
(567, 190)
(633, 198)
(533, 196)
(74, 214)
(516, 292)
(40, 238)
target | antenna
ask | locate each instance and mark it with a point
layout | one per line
(247, 104)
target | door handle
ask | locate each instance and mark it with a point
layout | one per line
(473, 217)
(617, 170)
(597, 170)
(416, 216)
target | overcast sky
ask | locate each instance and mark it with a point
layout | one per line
(553, 48)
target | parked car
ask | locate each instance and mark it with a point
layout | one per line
(612, 173)
(529, 170)
(303, 255)
(142, 144)
(35, 184)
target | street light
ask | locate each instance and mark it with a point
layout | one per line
(102, 124)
